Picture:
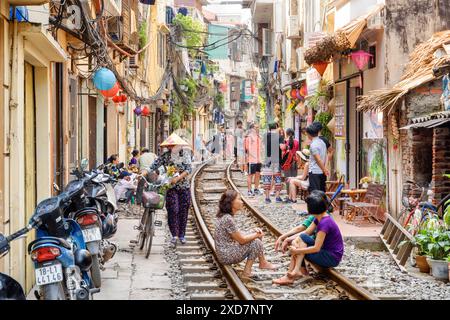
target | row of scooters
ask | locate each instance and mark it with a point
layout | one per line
(71, 244)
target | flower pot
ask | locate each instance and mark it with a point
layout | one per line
(422, 264)
(439, 269)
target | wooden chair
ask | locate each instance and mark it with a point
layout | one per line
(369, 204)
(331, 189)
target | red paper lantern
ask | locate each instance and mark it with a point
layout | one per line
(116, 99)
(123, 98)
(298, 94)
(252, 88)
(293, 94)
(320, 67)
(303, 91)
(111, 92)
(145, 111)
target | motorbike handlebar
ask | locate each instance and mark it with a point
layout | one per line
(19, 233)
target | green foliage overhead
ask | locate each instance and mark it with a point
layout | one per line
(377, 168)
(219, 100)
(262, 112)
(191, 30)
(322, 92)
(143, 39)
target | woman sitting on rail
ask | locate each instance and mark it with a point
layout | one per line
(299, 181)
(326, 250)
(231, 244)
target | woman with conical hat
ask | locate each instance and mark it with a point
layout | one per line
(178, 197)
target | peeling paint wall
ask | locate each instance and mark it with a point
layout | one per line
(409, 23)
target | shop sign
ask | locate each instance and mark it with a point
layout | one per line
(246, 91)
(312, 80)
(340, 101)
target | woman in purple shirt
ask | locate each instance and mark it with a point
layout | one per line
(326, 250)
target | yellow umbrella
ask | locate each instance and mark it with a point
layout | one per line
(174, 140)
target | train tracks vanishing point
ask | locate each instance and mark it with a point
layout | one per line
(206, 278)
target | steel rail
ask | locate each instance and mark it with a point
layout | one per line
(233, 279)
(350, 286)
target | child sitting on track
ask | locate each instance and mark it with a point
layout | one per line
(326, 250)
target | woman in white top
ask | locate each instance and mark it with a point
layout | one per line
(299, 181)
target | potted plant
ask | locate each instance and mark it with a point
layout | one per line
(448, 260)
(421, 241)
(438, 248)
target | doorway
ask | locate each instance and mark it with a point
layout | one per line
(30, 156)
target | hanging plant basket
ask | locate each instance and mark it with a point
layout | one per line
(320, 66)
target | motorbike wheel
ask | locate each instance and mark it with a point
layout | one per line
(95, 272)
(150, 229)
(143, 233)
(54, 291)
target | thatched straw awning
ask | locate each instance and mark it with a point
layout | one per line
(418, 72)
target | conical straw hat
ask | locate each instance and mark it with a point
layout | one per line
(174, 140)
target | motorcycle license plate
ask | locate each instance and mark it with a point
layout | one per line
(49, 274)
(91, 234)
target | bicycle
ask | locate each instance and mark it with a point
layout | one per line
(151, 201)
(410, 203)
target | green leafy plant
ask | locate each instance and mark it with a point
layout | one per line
(438, 246)
(377, 167)
(219, 100)
(321, 93)
(324, 118)
(143, 39)
(192, 30)
(262, 112)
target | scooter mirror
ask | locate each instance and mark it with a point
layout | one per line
(56, 187)
(84, 164)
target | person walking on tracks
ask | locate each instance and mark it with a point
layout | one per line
(325, 250)
(232, 245)
(178, 197)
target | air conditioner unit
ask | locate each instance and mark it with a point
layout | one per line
(267, 45)
(133, 62)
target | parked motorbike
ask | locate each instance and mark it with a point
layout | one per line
(96, 216)
(59, 252)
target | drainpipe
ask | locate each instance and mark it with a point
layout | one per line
(13, 104)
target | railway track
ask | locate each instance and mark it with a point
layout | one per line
(206, 278)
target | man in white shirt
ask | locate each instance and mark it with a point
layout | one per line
(317, 171)
(146, 159)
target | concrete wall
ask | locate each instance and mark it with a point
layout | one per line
(352, 10)
(409, 23)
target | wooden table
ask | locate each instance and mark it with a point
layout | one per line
(355, 195)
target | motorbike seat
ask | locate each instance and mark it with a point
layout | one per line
(53, 240)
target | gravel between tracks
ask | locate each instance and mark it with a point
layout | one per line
(374, 270)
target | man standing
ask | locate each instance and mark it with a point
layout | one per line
(330, 149)
(239, 145)
(252, 149)
(146, 159)
(317, 171)
(272, 168)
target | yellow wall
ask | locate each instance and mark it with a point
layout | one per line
(154, 71)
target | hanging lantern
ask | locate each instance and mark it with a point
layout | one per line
(360, 58)
(104, 79)
(294, 93)
(111, 92)
(145, 111)
(298, 94)
(137, 111)
(320, 66)
(303, 91)
(116, 99)
(252, 88)
(123, 98)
